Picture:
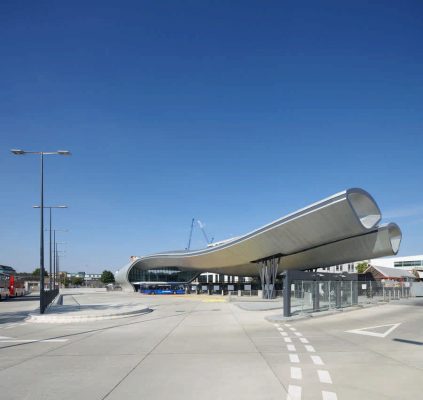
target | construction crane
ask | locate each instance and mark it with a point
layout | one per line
(201, 225)
(190, 234)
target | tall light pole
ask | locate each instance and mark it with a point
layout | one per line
(50, 262)
(55, 258)
(20, 152)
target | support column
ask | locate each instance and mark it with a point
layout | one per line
(268, 271)
(338, 299)
(316, 296)
(287, 294)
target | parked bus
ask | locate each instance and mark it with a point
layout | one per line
(16, 287)
(4, 286)
(162, 289)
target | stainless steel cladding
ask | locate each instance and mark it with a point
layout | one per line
(341, 228)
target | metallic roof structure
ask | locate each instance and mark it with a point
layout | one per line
(339, 229)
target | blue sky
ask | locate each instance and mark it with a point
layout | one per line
(235, 113)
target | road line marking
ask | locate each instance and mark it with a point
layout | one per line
(276, 325)
(283, 333)
(280, 329)
(294, 392)
(298, 334)
(324, 376)
(292, 329)
(294, 358)
(287, 325)
(329, 395)
(309, 348)
(303, 340)
(11, 326)
(33, 340)
(291, 347)
(317, 360)
(364, 331)
(5, 337)
(287, 340)
(296, 373)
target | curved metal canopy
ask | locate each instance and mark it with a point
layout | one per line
(339, 229)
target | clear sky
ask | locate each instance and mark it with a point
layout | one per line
(233, 112)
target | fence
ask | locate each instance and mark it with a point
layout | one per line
(308, 296)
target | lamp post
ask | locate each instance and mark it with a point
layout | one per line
(20, 152)
(50, 255)
(55, 257)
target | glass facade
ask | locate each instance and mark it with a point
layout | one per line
(162, 274)
(415, 263)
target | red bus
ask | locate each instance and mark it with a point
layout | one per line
(16, 287)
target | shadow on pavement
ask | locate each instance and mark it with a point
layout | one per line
(408, 341)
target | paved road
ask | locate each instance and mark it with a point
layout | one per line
(201, 347)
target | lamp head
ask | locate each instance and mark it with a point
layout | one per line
(64, 152)
(17, 152)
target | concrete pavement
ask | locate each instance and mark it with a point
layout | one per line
(203, 347)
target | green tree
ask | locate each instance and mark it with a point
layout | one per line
(77, 281)
(37, 272)
(361, 267)
(64, 280)
(107, 277)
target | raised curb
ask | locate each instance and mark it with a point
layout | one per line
(66, 318)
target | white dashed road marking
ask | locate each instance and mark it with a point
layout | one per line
(329, 395)
(309, 348)
(296, 373)
(294, 392)
(324, 376)
(317, 360)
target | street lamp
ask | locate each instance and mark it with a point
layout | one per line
(50, 263)
(20, 152)
(55, 259)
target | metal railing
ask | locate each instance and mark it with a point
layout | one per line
(309, 296)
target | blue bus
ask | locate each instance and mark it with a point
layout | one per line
(162, 289)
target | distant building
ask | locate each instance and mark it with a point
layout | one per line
(386, 273)
(406, 262)
(7, 270)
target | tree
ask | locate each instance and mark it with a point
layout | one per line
(361, 267)
(37, 272)
(77, 281)
(107, 277)
(64, 280)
